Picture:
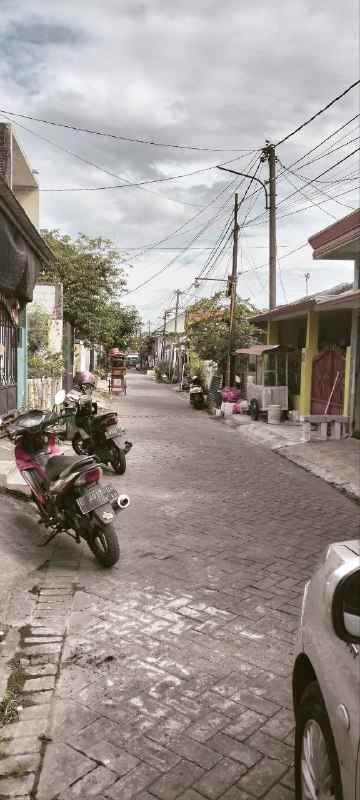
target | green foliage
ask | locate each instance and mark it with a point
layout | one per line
(93, 279)
(117, 325)
(38, 329)
(147, 346)
(8, 708)
(45, 364)
(208, 328)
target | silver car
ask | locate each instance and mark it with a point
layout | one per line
(326, 680)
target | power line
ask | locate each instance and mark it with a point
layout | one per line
(317, 189)
(312, 180)
(318, 113)
(208, 263)
(144, 182)
(308, 183)
(323, 141)
(306, 196)
(132, 139)
(171, 262)
(329, 152)
(286, 255)
(177, 231)
(92, 163)
(306, 208)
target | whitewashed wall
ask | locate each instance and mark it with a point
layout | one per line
(41, 392)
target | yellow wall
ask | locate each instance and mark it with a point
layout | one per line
(308, 353)
(273, 332)
(346, 408)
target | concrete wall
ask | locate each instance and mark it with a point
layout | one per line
(49, 297)
(29, 200)
(41, 392)
(81, 358)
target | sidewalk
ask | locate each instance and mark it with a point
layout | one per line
(336, 462)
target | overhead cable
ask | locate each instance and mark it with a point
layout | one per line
(132, 139)
(318, 113)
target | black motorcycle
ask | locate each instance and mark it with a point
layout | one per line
(97, 434)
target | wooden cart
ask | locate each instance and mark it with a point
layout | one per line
(117, 382)
(263, 371)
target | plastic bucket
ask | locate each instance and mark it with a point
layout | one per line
(274, 415)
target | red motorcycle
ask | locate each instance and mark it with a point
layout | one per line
(67, 490)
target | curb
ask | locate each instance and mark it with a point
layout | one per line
(348, 489)
(345, 488)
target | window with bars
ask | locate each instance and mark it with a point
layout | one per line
(8, 348)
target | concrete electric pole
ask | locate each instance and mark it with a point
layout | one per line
(178, 295)
(269, 155)
(233, 285)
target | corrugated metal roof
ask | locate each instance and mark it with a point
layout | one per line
(306, 303)
(256, 349)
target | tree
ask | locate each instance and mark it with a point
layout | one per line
(91, 272)
(208, 328)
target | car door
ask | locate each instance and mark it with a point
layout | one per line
(336, 665)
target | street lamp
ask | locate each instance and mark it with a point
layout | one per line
(218, 280)
(253, 178)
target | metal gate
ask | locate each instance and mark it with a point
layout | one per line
(328, 372)
(8, 361)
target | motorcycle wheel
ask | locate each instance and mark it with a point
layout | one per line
(117, 459)
(78, 445)
(104, 544)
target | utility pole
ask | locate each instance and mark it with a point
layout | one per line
(269, 155)
(233, 295)
(163, 336)
(307, 278)
(178, 295)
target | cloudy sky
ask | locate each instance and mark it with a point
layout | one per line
(221, 77)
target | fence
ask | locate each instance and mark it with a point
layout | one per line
(41, 392)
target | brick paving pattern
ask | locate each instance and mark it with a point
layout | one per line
(170, 675)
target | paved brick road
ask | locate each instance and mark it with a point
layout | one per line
(175, 666)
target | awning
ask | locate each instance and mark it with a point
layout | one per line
(339, 241)
(258, 349)
(22, 249)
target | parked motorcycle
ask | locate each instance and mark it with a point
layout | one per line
(197, 396)
(67, 490)
(97, 434)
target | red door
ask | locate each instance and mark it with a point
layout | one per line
(328, 367)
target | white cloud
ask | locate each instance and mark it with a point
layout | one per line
(208, 73)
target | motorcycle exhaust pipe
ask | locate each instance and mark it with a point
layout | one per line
(122, 502)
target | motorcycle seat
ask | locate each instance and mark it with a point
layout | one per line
(62, 465)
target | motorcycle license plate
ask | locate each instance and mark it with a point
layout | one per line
(96, 497)
(112, 431)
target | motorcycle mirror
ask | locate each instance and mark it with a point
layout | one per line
(59, 397)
